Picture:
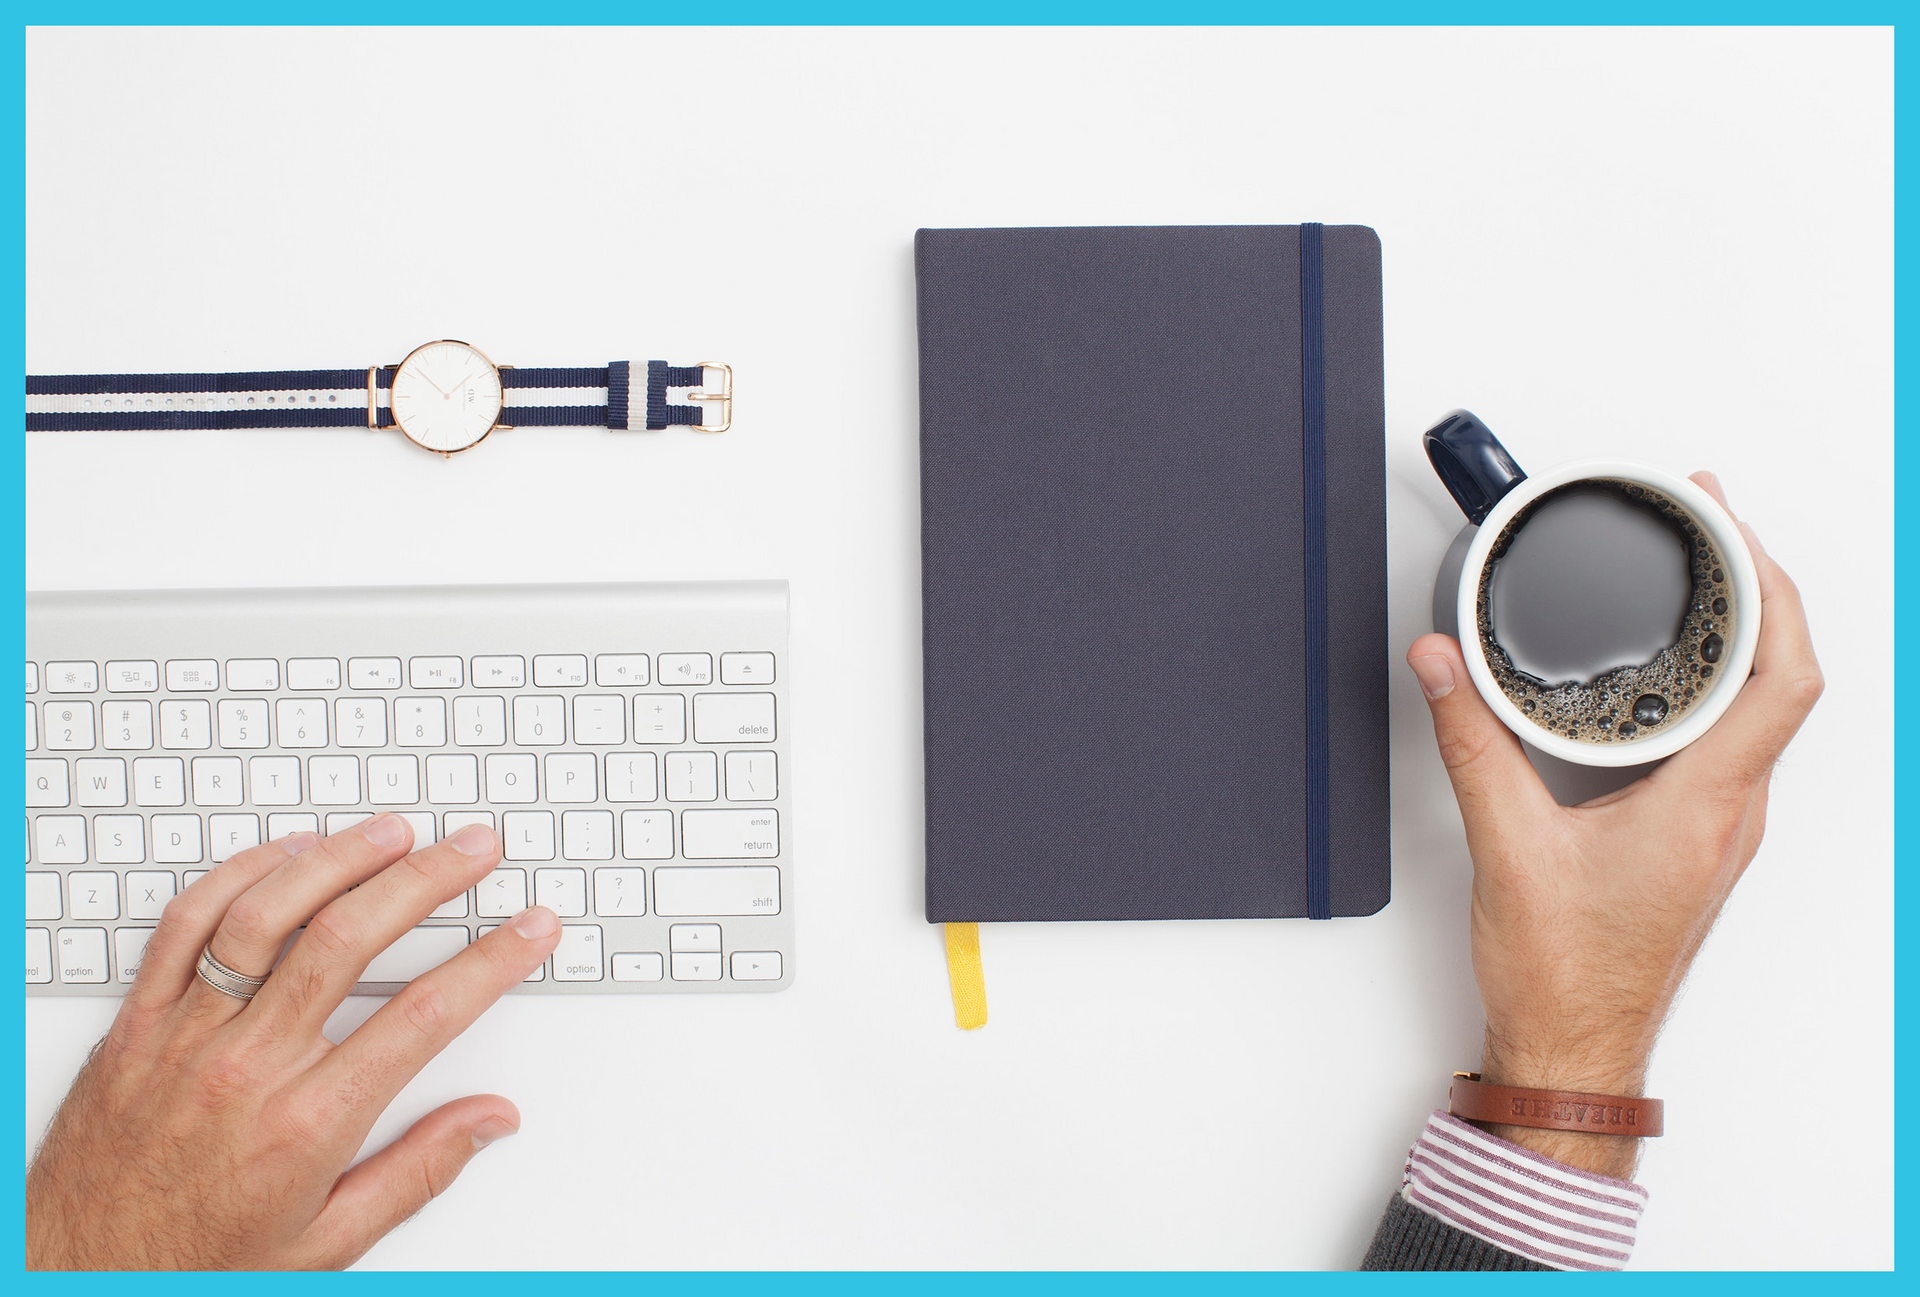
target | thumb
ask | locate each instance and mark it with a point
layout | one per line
(1492, 778)
(380, 1194)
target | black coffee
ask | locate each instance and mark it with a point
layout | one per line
(1604, 610)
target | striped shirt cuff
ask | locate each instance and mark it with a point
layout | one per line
(1520, 1201)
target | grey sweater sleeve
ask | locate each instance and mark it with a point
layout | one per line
(1410, 1239)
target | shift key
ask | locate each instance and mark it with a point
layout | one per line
(730, 835)
(716, 890)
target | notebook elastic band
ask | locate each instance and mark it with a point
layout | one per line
(1313, 549)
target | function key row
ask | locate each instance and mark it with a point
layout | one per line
(550, 671)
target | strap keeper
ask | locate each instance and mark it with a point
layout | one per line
(373, 400)
(619, 385)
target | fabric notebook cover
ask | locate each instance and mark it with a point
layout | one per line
(1117, 632)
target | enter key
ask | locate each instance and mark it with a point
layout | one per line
(730, 835)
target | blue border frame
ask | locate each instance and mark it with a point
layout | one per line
(1120, 12)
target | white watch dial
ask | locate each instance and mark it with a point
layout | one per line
(446, 396)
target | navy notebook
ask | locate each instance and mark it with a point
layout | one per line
(1153, 536)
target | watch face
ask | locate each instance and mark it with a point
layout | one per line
(446, 396)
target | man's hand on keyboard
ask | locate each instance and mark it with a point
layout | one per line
(1585, 919)
(209, 1132)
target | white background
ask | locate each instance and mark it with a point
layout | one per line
(1670, 246)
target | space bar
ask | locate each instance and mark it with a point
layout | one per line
(415, 953)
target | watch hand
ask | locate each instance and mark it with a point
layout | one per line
(429, 382)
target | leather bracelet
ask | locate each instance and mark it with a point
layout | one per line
(1472, 1099)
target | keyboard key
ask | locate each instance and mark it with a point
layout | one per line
(453, 909)
(129, 948)
(285, 824)
(537, 975)
(100, 781)
(717, 890)
(683, 937)
(67, 726)
(453, 778)
(73, 677)
(358, 723)
(646, 835)
(620, 670)
(560, 670)
(246, 674)
(216, 781)
(510, 777)
(393, 780)
(60, 839)
(83, 956)
(47, 782)
(127, 726)
(733, 718)
(303, 723)
(564, 891)
(243, 722)
(746, 668)
(33, 678)
(313, 673)
(570, 777)
(120, 839)
(229, 835)
(193, 876)
(435, 673)
(176, 840)
(730, 835)
(424, 833)
(599, 718)
(527, 835)
(502, 894)
(479, 722)
(93, 895)
(686, 668)
(420, 722)
(457, 820)
(133, 677)
(752, 777)
(659, 718)
(159, 781)
(341, 821)
(692, 777)
(193, 675)
(333, 781)
(617, 893)
(43, 897)
(643, 967)
(148, 891)
(756, 965)
(33, 727)
(632, 777)
(539, 722)
(696, 968)
(39, 956)
(276, 781)
(586, 835)
(578, 956)
(416, 952)
(500, 672)
(186, 724)
(373, 673)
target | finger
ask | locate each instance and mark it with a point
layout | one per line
(1710, 482)
(374, 1063)
(372, 1199)
(1493, 781)
(256, 926)
(187, 923)
(1786, 681)
(343, 938)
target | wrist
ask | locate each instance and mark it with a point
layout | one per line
(1592, 1069)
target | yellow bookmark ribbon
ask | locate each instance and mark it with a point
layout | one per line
(963, 972)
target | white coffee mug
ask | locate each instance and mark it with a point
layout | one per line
(1491, 489)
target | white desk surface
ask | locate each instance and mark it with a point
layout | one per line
(1675, 246)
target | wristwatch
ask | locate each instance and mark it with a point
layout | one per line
(445, 396)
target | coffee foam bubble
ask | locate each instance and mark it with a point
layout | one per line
(1630, 703)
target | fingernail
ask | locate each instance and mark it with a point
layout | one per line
(1435, 675)
(536, 923)
(386, 830)
(473, 840)
(493, 1128)
(298, 842)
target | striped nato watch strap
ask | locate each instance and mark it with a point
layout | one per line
(356, 398)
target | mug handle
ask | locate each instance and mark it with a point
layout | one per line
(1471, 462)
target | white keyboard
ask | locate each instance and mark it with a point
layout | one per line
(627, 741)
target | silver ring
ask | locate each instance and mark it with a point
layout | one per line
(225, 980)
